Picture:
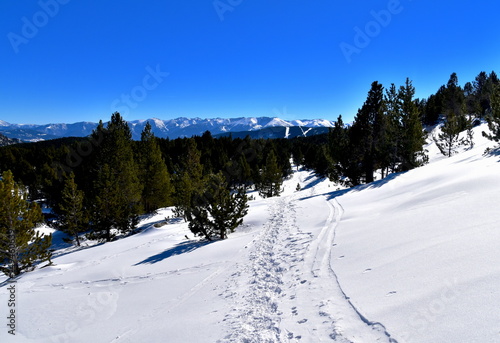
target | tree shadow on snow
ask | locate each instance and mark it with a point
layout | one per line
(492, 152)
(375, 184)
(313, 183)
(179, 249)
(378, 183)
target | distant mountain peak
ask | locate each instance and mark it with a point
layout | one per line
(171, 128)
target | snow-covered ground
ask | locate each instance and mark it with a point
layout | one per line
(412, 258)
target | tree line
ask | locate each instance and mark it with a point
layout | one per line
(389, 131)
(98, 186)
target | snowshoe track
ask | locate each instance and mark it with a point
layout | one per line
(289, 292)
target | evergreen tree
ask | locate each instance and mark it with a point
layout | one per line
(71, 220)
(153, 173)
(455, 102)
(448, 140)
(470, 132)
(471, 105)
(493, 118)
(394, 127)
(434, 107)
(482, 94)
(271, 177)
(189, 179)
(21, 246)
(117, 189)
(338, 141)
(413, 135)
(367, 130)
(298, 158)
(216, 211)
(238, 172)
(455, 119)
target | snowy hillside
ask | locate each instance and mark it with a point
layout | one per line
(171, 128)
(412, 258)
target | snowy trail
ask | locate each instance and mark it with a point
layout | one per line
(289, 292)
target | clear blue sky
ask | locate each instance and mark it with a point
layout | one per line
(74, 60)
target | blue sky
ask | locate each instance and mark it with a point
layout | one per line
(73, 60)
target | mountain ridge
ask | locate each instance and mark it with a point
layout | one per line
(163, 128)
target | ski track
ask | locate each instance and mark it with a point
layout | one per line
(289, 292)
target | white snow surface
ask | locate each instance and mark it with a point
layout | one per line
(411, 258)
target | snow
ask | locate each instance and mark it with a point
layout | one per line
(313, 123)
(411, 258)
(420, 250)
(277, 122)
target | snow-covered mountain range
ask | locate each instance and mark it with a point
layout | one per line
(171, 128)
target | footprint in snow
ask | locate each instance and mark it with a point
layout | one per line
(390, 293)
(341, 257)
(367, 270)
(302, 321)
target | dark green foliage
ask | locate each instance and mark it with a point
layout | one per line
(116, 189)
(393, 108)
(21, 246)
(215, 211)
(455, 101)
(271, 177)
(338, 146)
(412, 134)
(434, 107)
(71, 211)
(189, 178)
(455, 119)
(448, 140)
(153, 173)
(493, 118)
(366, 134)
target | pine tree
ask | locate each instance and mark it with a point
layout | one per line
(394, 128)
(482, 94)
(455, 102)
(493, 118)
(367, 130)
(21, 246)
(470, 131)
(189, 179)
(216, 211)
(413, 135)
(449, 138)
(71, 219)
(117, 189)
(153, 173)
(271, 177)
(338, 143)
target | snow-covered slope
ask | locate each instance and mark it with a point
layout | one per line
(420, 251)
(412, 258)
(171, 128)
